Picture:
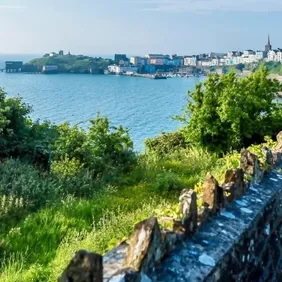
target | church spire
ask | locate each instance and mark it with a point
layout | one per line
(268, 46)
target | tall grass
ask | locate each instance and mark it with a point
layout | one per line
(38, 244)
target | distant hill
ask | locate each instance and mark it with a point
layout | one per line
(70, 64)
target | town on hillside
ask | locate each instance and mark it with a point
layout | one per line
(152, 63)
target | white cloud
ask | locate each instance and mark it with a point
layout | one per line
(210, 5)
(12, 7)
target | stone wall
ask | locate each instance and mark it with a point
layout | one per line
(233, 236)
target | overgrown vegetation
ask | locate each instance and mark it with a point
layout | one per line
(91, 190)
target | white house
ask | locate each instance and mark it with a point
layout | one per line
(122, 69)
(272, 56)
(190, 61)
(259, 55)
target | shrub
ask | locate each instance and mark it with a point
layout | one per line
(103, 148)
(228, 113)
(66, 167)
(167, 182)
(166, 143)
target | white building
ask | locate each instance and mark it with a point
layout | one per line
(248, 53)
(190, 61)
(272, 56)
(122, 69)
(259, 55)
(279, 55)
(206, 63)
(138, 61)
(215, 62)
(49, 68)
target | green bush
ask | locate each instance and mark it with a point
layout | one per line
(166, 143)
(228, 113)
(167, 182)
(102, 149)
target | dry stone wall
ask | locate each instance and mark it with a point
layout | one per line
(235, 236)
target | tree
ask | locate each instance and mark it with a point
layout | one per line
(227, 113)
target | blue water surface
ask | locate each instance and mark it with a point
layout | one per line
(144, 106)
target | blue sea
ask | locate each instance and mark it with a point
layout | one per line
(144, 106)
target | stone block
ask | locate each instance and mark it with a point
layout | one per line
(129, 275)
(170, 239)
(212, 195)
(269, 158)
(234, 186)
(146, 246)
(189, 211)
(279, 137)
(126, 275)
(84, 267)
(250, 164)
(114, 260)
(277, 158)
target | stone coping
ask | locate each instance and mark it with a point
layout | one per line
(195, 259)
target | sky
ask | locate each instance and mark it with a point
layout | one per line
(138, 27)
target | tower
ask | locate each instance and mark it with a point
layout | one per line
(268, 46)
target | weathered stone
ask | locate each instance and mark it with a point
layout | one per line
(170, 239)
(234, 186)
(277, 158)
(250, 164)
(242, 244)
(126, 275)
(114, 260)
(189, 211)
(84, 267)
(171, 224)
(269, 158)
(246, 185)
(203, 216)
(145, 246)
(212, 195)
(279, 137)
(278, 147)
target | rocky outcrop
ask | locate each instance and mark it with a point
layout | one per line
(84, 267)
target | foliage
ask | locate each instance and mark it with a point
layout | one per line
(70, 64)
(166, 143)
(18, 133)
(38, 243)
(229, 161)
(227, 113)
(102, 148)
(66, 167)
(167, 182)
(272, 67)
(258, 150)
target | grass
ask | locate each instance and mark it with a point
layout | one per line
(39, 238)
